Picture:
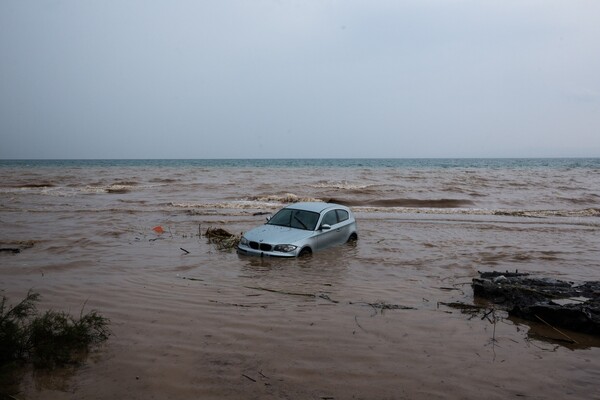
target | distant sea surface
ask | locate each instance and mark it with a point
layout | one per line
(193, 321)
(320, 162)
(563, 186)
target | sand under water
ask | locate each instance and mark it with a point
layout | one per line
(360, 321)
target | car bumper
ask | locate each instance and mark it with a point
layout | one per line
(252, 252)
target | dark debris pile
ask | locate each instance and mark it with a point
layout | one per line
(554, 302)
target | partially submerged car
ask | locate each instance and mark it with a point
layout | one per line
(300, 229)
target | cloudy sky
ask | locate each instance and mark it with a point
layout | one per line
(299, 78)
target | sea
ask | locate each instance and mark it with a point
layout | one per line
(193, 320)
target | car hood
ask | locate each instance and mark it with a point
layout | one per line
(274, 234)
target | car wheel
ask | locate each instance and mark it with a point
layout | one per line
(305, 252)
(353, 238)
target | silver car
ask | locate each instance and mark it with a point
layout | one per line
(300, 229)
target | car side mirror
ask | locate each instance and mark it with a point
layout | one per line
(325, 227)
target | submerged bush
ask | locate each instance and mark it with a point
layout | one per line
(53, 338)
(14, 327)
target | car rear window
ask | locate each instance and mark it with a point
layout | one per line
(342, 215)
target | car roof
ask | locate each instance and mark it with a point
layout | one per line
(315, 206)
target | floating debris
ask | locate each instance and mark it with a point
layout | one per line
(223, 239)
(15, 246)
(471, 309)
(381, 306)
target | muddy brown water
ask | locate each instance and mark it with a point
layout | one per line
(213, 324)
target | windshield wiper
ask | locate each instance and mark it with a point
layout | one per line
(301, 223)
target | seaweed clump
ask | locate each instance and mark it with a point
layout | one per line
(50, 339)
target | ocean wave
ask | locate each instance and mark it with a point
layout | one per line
(587, 212)
(115, 188)
(236, 204)
(590, 198)
(37, 185)
(140, 202)
(344, 185)
(53, 191)
(581, 213)
(285, 198)
(118, 189)
(245, 207)
(126, 183)
(68, 191)
(164, 180)
(412, 203)
(254, 202)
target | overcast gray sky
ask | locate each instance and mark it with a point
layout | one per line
(299, 78)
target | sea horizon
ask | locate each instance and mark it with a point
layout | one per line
(511, 163)
(296, 158)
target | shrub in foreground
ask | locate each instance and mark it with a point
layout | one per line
(50, 339)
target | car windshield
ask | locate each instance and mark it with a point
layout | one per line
(299, 219)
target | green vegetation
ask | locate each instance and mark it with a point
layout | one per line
(53, 338)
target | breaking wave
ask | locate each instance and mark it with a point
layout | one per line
(343, 185)
(116, 188)
(412, 203)
(285, 198)
(40, 185)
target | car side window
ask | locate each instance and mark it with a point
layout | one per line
(330, 218)
(342, 215)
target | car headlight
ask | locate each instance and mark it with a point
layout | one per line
(285, 248)
(244, 241)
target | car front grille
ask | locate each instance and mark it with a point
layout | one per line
(261, 246)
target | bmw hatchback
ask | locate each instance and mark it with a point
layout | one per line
(300, 229)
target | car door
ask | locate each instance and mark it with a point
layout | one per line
(331, 236)
(344, 226)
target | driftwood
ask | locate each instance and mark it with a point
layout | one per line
(555, 303)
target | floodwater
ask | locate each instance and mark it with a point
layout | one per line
(210, 324)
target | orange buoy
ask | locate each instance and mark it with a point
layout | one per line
(158, 229)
